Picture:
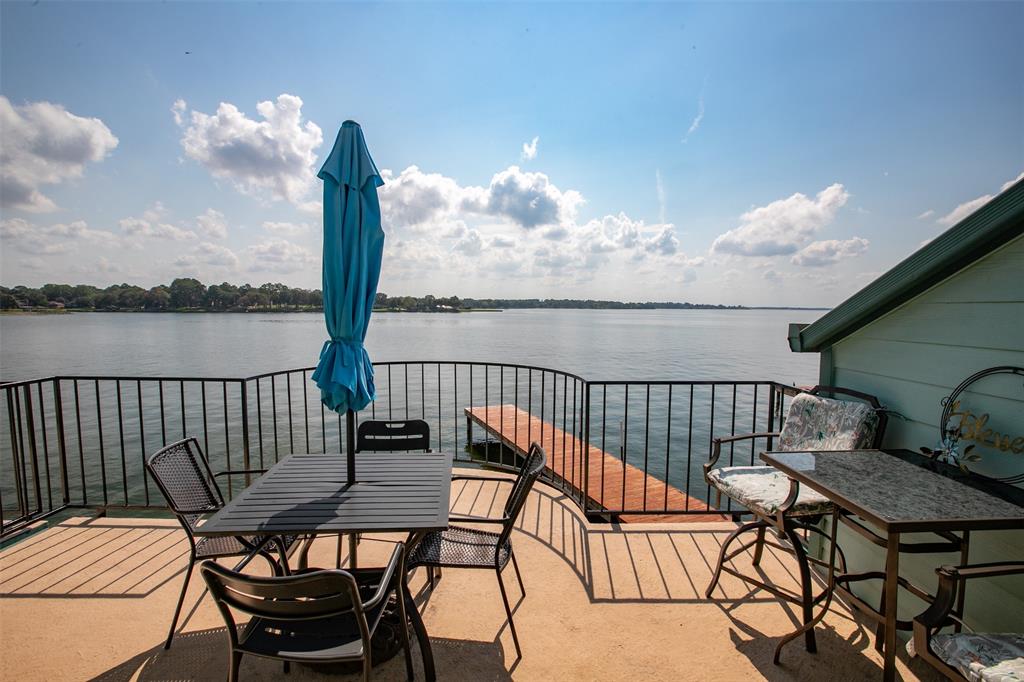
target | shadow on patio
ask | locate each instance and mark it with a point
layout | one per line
(90, 599)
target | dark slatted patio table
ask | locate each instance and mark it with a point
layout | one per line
(310, 494)
(896, 496)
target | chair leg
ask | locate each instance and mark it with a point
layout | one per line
(404, 631)
(181, 600)
(806, 590)
(287, 667)
(519, 576)
(725, 550)
(366, 667)
(759, 547)
(508, 612)
(236, 660)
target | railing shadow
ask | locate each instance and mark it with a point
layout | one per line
(95, 559)
(619, 564)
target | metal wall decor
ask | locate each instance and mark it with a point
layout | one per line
(961, 430)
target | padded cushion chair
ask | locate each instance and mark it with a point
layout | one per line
(974, 656)
(318, 616)
(466, 547)
(403, 435)
(190, 488)
(814, 422)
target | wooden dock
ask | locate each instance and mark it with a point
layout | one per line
(622, 486)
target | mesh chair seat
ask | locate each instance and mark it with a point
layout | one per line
(459, 546)
(213, 547)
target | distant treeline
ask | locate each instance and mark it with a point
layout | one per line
(188, 294)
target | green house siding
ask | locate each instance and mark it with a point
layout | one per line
(911, 358)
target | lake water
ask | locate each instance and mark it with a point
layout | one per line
(596, 344)
(110, 426)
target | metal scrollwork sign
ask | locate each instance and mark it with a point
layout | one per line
(967, 429)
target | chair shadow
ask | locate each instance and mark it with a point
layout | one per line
(202, 655)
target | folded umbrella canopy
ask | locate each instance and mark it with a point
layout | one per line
(353, 248)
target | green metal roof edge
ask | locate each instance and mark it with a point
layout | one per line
(980, 233)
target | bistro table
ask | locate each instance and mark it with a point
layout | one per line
(896, 496)
(306, 494)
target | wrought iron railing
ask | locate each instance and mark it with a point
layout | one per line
(81, 441)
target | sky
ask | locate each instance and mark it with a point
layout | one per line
(755, 154)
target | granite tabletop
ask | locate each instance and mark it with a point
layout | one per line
(894, 494)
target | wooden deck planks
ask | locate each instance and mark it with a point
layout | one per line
(611, 485)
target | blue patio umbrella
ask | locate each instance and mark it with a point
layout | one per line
(353, 248)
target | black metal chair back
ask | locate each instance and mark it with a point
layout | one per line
(533, 467)
(393, 435)
(308, 596)
(186, 481)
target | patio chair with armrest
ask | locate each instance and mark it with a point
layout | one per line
(183, 475)
(465, 547)
(314, 617)
(974, 656)
(814, 422)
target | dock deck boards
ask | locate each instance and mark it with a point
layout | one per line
(515, 428)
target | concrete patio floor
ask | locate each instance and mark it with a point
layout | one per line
(92, 599)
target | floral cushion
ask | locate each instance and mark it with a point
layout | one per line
(763, 489)
(981, 657)
(816, 423)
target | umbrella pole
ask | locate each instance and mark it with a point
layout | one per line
(350, 444)
(350, 449)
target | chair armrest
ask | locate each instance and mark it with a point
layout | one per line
(477, 519)
(716, 445)
(992, 570)
(386, 578)
(239, 472)
(940, 613)
(499, 479)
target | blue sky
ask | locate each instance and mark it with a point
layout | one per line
(760, 154)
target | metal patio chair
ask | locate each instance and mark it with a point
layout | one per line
(967, 655)
(393, 435)
(465, 547)
(318, 616)
(190, 488)
(814, 422)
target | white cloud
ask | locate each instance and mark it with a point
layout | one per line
(470, 244)
(152, 224)
(783, 226)
(968, 207)
(274, 157)
(207, 253)
(52, 239)
(528, 199)
(829, 252)
(212, 224)
(530, 149)
(695, 124)
(43, 144)
(280, 256)
(414, 199)
(286, 229)
(926, 215)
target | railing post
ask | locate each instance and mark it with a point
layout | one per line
(771, 413)
(16, 464)
(245, 433)
(33, 450)
(62, 446)
(586, 447)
